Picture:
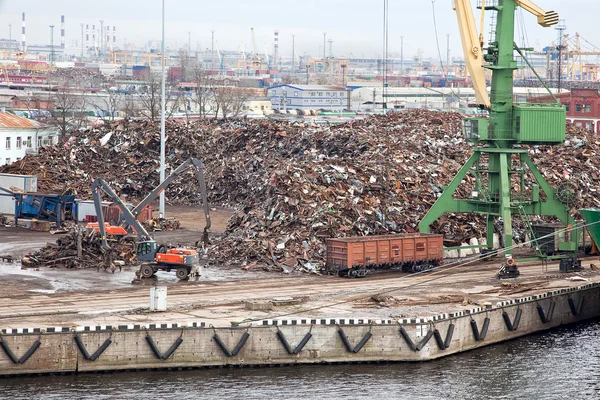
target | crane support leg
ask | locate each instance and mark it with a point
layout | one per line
(446, 203)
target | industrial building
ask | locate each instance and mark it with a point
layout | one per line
(19, 136)
(583, 107)
(308, 97)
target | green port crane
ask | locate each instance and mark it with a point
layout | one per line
(507, 182)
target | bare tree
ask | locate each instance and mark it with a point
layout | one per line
(109, 101)
(185, 63)
(203, 90)
(230, 101)
(150, 100)
(69, 108)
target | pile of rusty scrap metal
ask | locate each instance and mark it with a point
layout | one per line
(81, 248)
(295, 183)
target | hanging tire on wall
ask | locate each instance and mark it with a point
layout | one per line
(146, 271)
(182, 273)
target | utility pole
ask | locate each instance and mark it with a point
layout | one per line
(101, 36)
(560, 28)
(51, 44)
(161, 203)
(81, 41)
(401, 56)
(447, 54)
(212, 51)
(293, 53)
(324, 45)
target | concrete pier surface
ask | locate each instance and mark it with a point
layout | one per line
(284, 320)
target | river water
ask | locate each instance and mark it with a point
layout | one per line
(561, 364)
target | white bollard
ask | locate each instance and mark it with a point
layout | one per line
(158, 298)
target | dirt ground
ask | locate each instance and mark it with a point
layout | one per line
(17, 241)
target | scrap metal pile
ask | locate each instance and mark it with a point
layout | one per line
(81, 248)
(294, 183)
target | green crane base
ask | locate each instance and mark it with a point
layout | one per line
(493, 196)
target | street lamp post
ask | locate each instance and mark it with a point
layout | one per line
(161, 211)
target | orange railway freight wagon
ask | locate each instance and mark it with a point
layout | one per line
(355, 256)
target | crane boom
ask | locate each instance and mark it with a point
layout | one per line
(98, 186)
(189, 163)
(473, 51)
(544, 18)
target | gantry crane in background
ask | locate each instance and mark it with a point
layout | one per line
(507, 182)
(569, 59)
(254, 63)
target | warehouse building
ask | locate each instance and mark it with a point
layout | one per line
(308, 97)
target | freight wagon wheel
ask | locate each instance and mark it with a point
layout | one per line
(182, 273)
(146, 271)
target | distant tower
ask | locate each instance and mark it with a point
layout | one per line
(87, 36)
(94, 44)
(275, 49)
(114, 45)
(108, 48)
(23, 41)
(62, 31)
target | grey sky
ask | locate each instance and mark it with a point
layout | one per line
(355, 26)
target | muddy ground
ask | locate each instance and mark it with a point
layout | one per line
(17, 242)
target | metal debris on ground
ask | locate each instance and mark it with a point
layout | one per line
(81, 248)
(294, 184)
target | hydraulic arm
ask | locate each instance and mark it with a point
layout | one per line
(100, 186)
(199, 168)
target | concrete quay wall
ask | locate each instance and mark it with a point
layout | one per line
(291, 341)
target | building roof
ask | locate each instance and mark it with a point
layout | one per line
(312, 87)
(8, 121)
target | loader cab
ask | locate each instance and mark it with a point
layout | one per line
(146, 251)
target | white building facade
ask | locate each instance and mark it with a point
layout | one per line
(19, 136)
(308, 97)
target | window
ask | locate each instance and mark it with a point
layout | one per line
(39, 142)
(19, 143)
(18, 158)
(50, 140)
(273, 92)
(284, 92)
(588, 108)
(568, 107)
(28, 142)
(579, 124)
(321, 94)
(578, 107)
(589, 125)
(7, 143)
(296, 93)
(7, 161)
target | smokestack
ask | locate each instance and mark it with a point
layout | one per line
(23, 42)
(114, 37)
(276, 49)
(62, 31)
(108, 37)
(94, 37)
(87, 36)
